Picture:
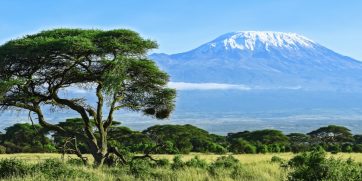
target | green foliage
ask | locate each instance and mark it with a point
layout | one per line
(177, 163)
(299, 142)
(275, 148)
(22, 138)
(357, 139)
(140, 167)
(276, 159)
(275, 140)
(347, 148)
(335, 148)
(216, 148)
(163, 162)
(2, 149)
(174, 139)
(357, 148)
(196, 162)
(266, 136)
(242, 146)
(261, 148)
(184, 138)
(74, 125)
(35, 68)
(54, 169)
(316, 166)
(13, 168)
(226, 162)
(332, 134)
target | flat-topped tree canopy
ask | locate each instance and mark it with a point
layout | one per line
(48, 61)
(34, 68)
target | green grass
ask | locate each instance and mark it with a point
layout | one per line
(253, 167)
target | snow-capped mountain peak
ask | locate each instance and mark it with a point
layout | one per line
(252, 40)
(260, 59)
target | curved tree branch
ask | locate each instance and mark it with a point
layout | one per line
(82, 111)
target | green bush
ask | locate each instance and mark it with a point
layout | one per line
(237, 172)
(53, 168)
(262, 149)
(317, 167)
(276, 159)
(357, 148)
(334, 149)
(196, 162)
(249, 148)
(2, 149)
(274, 148)
(226, 162)
(347, 148)
(13, 168)
(163, 162)
(140, 168)
(216, 148)
(177, 163)
(242, 146)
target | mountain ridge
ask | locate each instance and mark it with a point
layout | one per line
(264, 59)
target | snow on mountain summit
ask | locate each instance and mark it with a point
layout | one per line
(251, 40)
(259, 59)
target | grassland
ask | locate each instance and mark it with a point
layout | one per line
(254, 167)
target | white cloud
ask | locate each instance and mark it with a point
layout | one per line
(192, 86)
(220, 86)
(77, 90)
(206, 86)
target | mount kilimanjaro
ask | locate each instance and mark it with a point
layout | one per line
(264, 60)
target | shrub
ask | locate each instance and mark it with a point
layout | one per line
(226, 162)
(334, 149)
(49, 148)
(274, 148)
(357, 148)
(347, 148)
(242, 146)
(140, 167)
(2, 149)
(250, 148)
(196, 162)
(237, 172)
(276, 159)
(177, 163)
(223, 163)
(262, 149)
(218, 149)
(13, 168)
(315, 166)
(53, 168)
(163, 162)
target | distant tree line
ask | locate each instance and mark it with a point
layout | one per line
(176, 139)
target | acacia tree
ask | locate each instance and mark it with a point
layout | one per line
(36, 68)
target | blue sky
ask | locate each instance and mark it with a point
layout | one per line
(185, 24)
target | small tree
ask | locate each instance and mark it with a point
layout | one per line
(35, 68)
(332, 134)
(27, 138)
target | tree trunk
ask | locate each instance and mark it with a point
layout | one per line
(99, 159)
(99, 152)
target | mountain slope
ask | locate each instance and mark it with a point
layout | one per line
(264, 59)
